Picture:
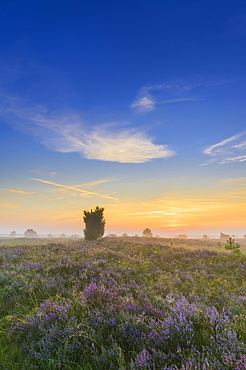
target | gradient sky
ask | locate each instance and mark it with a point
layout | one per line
(137, 106)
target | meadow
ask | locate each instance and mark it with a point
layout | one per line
(118, 303)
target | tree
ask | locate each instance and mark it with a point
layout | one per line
(147, 233)
(12, 234)
(30, 233)
(94, 223)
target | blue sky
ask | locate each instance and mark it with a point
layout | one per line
(136, 106)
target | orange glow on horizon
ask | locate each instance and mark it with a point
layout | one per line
(172, 212)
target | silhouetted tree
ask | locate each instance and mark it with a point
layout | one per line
(12, 234)
(30, 233)
(94, 223)
(147, 233)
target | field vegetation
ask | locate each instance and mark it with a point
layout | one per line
(122, 303)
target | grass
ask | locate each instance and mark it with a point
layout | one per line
(119, 303)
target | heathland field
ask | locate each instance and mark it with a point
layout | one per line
(122, 304)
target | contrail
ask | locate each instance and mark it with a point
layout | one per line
(75, 189)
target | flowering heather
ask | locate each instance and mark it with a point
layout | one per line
(122, 305)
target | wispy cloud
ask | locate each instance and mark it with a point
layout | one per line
(102, 143)
(6, 205)
(241, 158)
(147, 99)
(178, 100)
(178, 211)
(68, 133)
(240, 181)
(144, 104)
(94, 183)
(19, 191)
(53, 199)
(124, 147)
(85, 192)
(230, 150)
(174, 210)
(220, 147)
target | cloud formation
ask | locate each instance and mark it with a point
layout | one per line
(143, 104)
(95, 183)
(241, 158)
(146, 100)
(239, 181)
(230, 150)
(178, 211)
(101, 143)
(124, 147)
(68, 133)
(19, 191)
(6, 205)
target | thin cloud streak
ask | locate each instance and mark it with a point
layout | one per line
(87, 184)
(240, 181)
(19, 191)
(67, 133)
(178, 100)
(241, 158)
(172, 211)
(94, 183)
(228, 150)
(176, 211)
(9, 206)
(212, 150)
(75, 189)
(52, 199)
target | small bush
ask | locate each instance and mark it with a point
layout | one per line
(234, 247)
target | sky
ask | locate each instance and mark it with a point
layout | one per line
(136, 106)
